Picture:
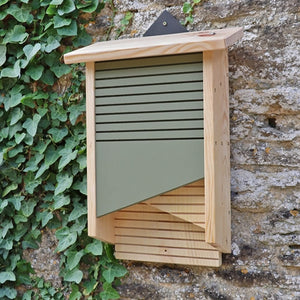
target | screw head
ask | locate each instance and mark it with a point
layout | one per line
(165, 23)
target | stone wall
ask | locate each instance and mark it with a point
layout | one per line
(265, 154)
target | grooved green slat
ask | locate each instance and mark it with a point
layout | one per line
(166, 97)
(158, 116)
(145, 80)
(149, 89)
(171, 134)
(150, 61)
(147, 71)
(130, 172)
(149, 107)
(150, 125)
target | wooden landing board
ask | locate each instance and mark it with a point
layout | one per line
(145, 233)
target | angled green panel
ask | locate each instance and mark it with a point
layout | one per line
(149, 128)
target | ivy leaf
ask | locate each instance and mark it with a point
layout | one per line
(66, 238)
(12, 72)
(28, 207)
(6, 225)
(16, 202)
(56, 2)
(114, 271)
(8, 292)
(21, 14)
(66, 7)
(64, 181)
(16, 115)
(109, 292)
(75, 295)
(74, 275)
(35, 72)
(17, 34)
(90, 6)
(58, 112)
(66, 156)
(74, 258)
(61, 70)
(31, 124)
(70, 30)
(2, 2)
(7, 276)
(96, 248)
(82, 39)
(81, 185)
(52, 43)
(78, 211)
(60, 201)
(58, 133)
(82, 161)
(75, 112)
(9, 188)
(30, 51)
(32, 164)
(48, 77)
(19, 137)
(30, 182)
(187, 7)
(90, 286)
(2, 54)
(45, 217)
(61, 22)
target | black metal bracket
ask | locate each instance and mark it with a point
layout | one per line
(165, 24)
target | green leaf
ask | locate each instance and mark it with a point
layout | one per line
(109, 292)
(75, 295)
(30, 51)
(58, 134)
(52, 43)
(187, 8)
(90, 7)
(58, 112)
(78, 211)
(2, 2)
(75, 112)
(74, 258)
(7, 276)
(114, 271)
(74, 275)
(31, 183)
(64, 181)
(12, 72)
(16, 201)
(35, 72)
(45, 217)
(61, 70)
(16, 115)
(82, 161)
(66, 238)
(66, 7)
(9, 188)
(21, 14)
(2, 54)
(6, 225)
(28, 100)
(19, 137)
(10, 293)
(60, 201)
(32, 164)
(66, 156)
(61, 22)
(28, 207)
(56, 2)
(96, 248)
(31, 125)
(48, 77)
(70, 30)
(90, 286)
(17, 34)
(81, 185)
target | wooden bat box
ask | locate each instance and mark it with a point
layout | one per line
(158, 152)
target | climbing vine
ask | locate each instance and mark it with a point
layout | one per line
(43, 152)
(188, 10)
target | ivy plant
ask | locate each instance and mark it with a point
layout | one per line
(188, 10)
(43, 152)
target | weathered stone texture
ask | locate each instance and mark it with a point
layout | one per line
(265, 156)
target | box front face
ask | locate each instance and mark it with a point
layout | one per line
(149, 128)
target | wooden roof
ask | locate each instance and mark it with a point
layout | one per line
(180, 43)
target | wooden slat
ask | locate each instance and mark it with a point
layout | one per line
(177, 200)
(217, 150)
(148, 80)
(164, 242)
(168, 251)
(180, 209)
(197, 191)
(118, 109)
(133, 69)
(151, 98)
(170, 259)
(148, 89)
(187, 42)
(197, 183)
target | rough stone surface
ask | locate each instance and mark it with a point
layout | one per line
(265, 154)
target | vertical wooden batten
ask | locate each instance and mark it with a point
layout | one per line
(167, 90)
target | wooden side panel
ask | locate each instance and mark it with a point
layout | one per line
(100, 228)
(146, 233)
(217, 150)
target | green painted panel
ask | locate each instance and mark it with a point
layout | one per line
(149, 128)
(150, 98)
(130, 172)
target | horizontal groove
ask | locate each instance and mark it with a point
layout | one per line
(147, 121)
(157, 237)
(149, 130)
(152, 93)
(175, 204)
(145, 103)
(159, 229)
(156, 221)
(168, 255)
(152, 139)
(147, 112)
